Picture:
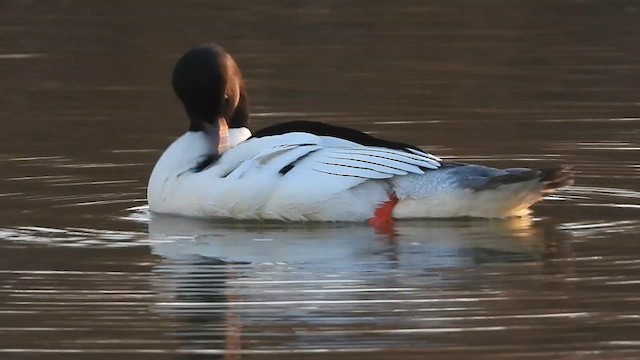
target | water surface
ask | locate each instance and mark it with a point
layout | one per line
(87, 109)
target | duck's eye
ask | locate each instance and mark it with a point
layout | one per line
(227, 100)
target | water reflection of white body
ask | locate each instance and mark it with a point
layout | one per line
(323, 278)
(416, 243)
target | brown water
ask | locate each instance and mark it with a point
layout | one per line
(86, 109)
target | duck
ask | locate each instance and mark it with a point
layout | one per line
(301, 171)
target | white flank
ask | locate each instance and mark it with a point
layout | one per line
(303, 177)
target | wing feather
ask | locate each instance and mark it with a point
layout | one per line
(325, 155)
(388, 167)
(424, 153)
(341, 169)
(391, 155)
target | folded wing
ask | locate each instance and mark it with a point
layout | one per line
(320, 159)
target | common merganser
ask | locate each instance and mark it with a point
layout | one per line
(312, 171)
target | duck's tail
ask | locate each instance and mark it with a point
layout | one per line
(548, 178)
(461, 190)
(554, 178)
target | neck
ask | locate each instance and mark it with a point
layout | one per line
(193, 147)
(238, 135)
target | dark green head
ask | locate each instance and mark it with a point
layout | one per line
(210, 85)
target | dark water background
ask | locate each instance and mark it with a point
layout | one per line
(86, 109)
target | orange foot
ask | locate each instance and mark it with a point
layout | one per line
(382, 221)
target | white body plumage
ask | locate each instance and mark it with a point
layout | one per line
(325, 184)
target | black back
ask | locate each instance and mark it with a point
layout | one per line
(324, 129)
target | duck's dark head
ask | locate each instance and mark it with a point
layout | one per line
(210, 85)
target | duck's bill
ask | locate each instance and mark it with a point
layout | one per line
(218, 134)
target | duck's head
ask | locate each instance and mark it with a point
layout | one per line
(209, 83)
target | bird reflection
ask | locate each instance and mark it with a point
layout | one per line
(430, 243)
(221, 280)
